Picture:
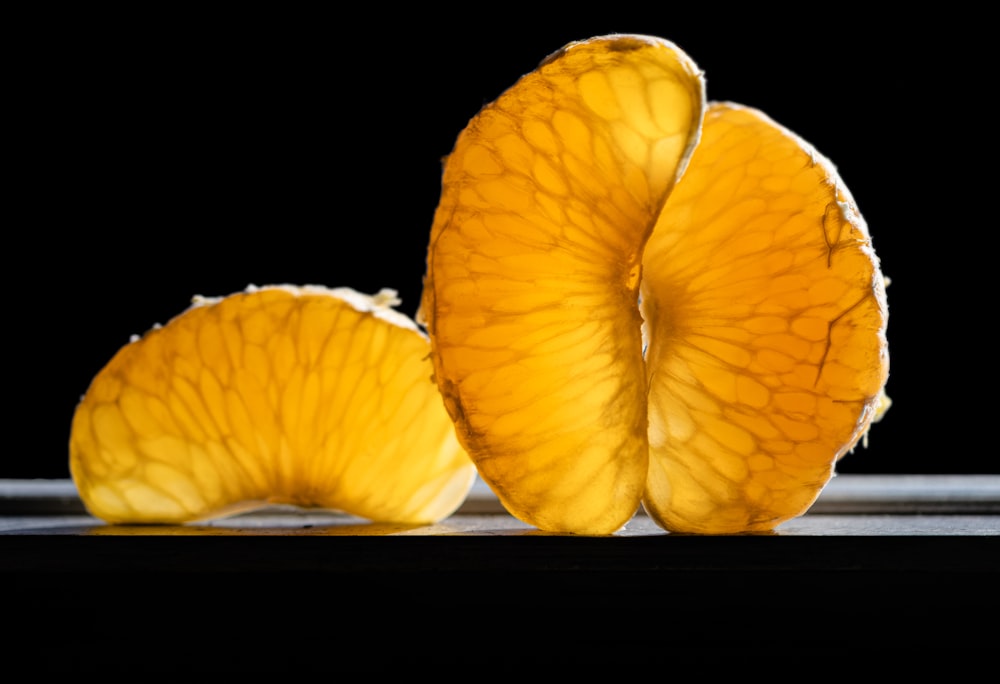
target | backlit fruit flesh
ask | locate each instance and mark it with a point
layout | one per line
(533, 272)
(713, 369)
(306, 396)
(765, 316)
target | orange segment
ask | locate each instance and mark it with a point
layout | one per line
(765, 315)
(533, 271)
(305, 396)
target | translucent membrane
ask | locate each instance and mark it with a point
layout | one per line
(533, 274)
(303, 396)
(632, 296)
(765, 313)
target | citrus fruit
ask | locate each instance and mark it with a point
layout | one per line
(636, 299)
(307, 396)
(533, 271)
(765, 315)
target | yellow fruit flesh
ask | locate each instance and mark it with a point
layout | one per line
(766, 312)
(304, 396)
(714, 368)
(764, 308)
(533, 273)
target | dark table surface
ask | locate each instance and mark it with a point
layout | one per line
(879, 564)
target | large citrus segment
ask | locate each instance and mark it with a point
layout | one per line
(765, 316)
(533, 270)
(297, 395)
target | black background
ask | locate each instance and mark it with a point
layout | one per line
(156, 157)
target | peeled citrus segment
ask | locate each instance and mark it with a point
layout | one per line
(307, 396)
(765, 314)
(530, 295)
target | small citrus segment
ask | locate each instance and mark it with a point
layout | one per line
(307, 396)
(533, 270)
(765, 314)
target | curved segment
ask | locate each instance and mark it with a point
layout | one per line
(304, 396)
(533, 269)
(766, 318)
